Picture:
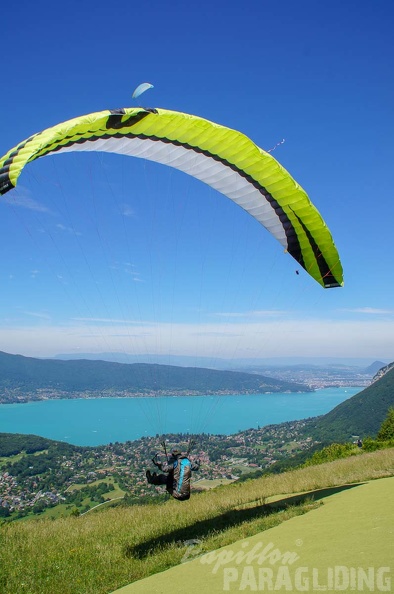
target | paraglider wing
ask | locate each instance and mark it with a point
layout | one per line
(223, 158)
(141, 89)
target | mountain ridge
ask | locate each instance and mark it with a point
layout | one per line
(49, 378)
(218, 363)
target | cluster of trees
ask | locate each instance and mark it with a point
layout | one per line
(93, 492)
(334, 451)
(385, 436)
(38, 461)
(43, 469)
(4, 512)
(15, 443)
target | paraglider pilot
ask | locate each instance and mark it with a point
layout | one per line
(177, 470)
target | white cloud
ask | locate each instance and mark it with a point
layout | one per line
(127, 210)
(70, 230)
(36, 314)
(251, 314)
(109, 321)
(371, 311)
(130, 269)
(22, 199)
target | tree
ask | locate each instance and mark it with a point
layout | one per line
(386, 431)
(39, 507)
(4, 512)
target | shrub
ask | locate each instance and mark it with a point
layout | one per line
(334, 451)
(371, 445)
(386, 431)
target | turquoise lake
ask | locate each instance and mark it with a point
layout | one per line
(99, 421)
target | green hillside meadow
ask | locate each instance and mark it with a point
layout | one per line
(102, 551)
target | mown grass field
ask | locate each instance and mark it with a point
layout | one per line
(117, 492)
(17, 457)
(211, 483)
(102, 551)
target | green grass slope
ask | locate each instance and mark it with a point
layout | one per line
(103, 551)
(344, 545)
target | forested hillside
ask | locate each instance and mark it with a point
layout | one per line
(31, 377)
(360, 415)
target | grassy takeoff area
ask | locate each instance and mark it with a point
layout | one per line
(345, 544)
(327, 527)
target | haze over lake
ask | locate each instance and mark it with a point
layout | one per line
(99, 421)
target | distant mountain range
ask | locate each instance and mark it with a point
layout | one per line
(27, 378)
(375, 367)
(249, 365)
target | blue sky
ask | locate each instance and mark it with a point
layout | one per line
(105, 253)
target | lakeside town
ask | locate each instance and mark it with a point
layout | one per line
(328, 378)
(64, 479)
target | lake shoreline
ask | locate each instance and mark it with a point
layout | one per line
(97, 421)
(159, 394)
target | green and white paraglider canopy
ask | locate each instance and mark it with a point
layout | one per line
(223, 158)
